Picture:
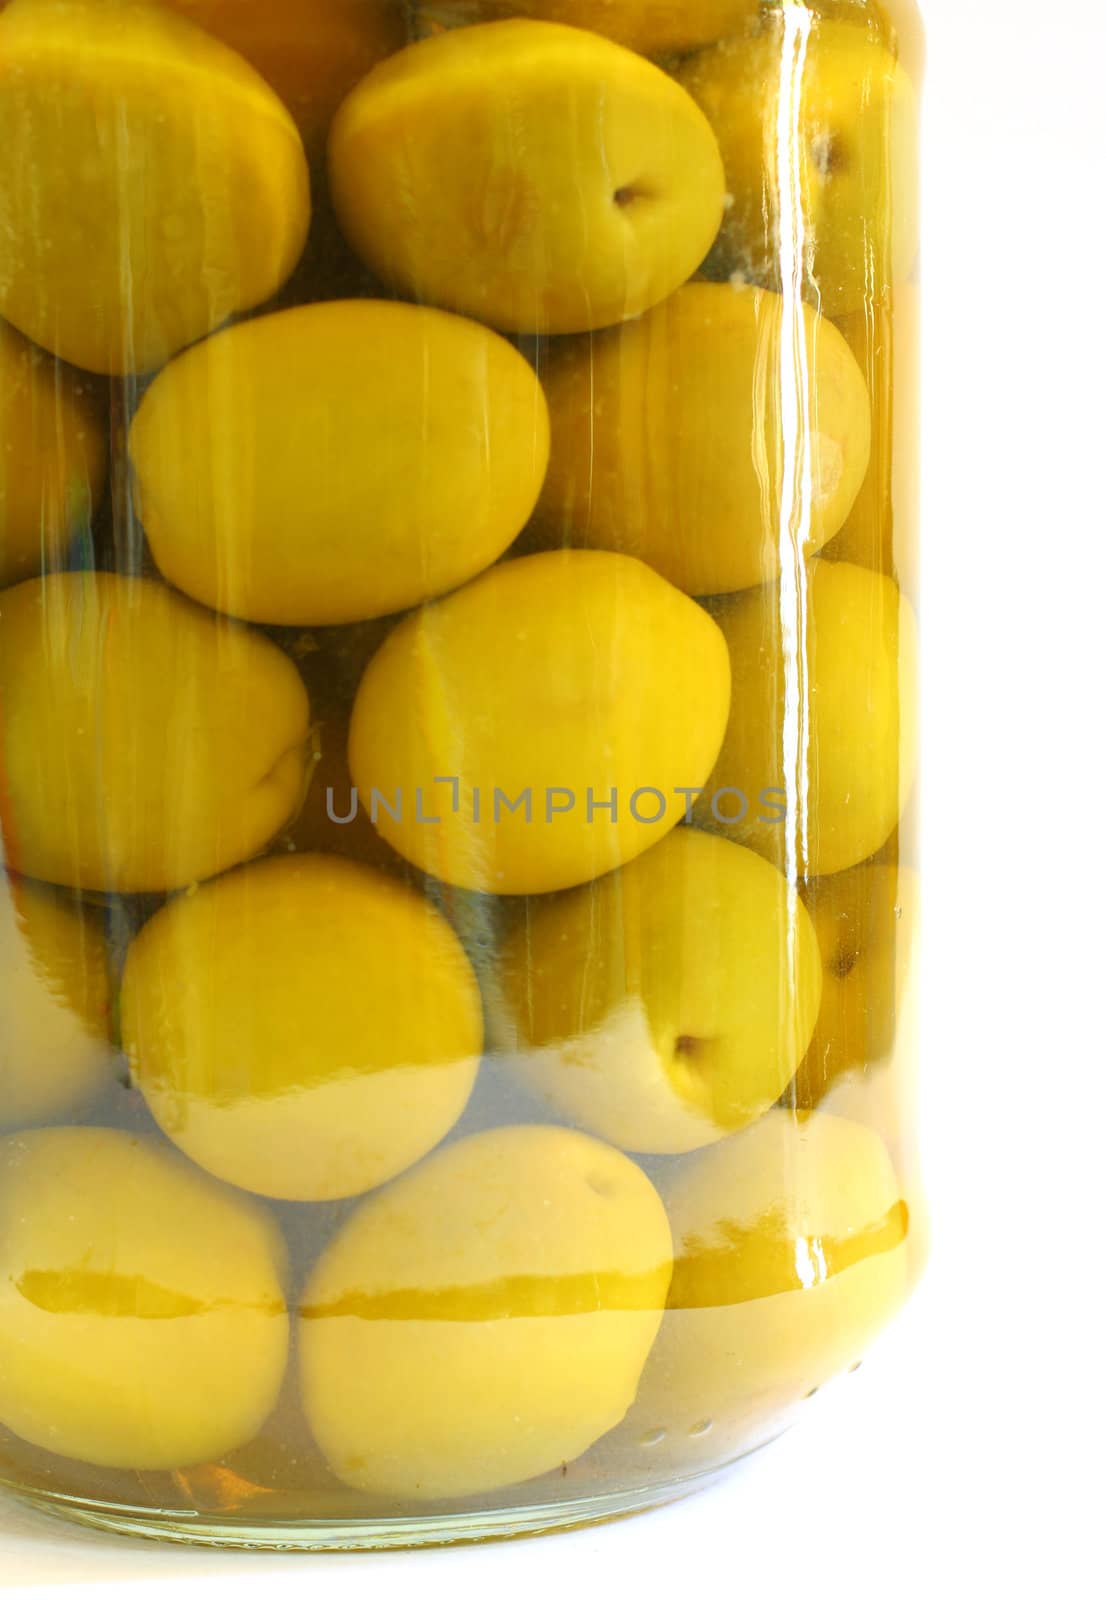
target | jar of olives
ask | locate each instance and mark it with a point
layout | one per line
(457, 750)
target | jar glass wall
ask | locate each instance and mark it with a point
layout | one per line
(458, 672)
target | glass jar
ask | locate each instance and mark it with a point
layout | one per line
(457, 750)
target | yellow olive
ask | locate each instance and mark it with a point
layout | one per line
(338, 462)
(302, 1027)
(832, 199)
(677, 438)
(312, 52)
(865, 920)
(486, 1317)
(791, 1247)
(143, 743)
(881, 530)
(667, 1004)
(151, 183)
(536, 177)
(55, 1004)
(142, 1317)
(53, 458)
(829, 794)
(542, 725)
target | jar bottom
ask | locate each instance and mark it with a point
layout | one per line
(423, 1531)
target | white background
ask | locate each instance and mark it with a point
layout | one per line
(965, 1455)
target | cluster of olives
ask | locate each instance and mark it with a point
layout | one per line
(589, 476)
